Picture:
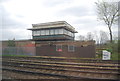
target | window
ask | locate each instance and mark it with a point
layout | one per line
(52, 32)
(56, 31)
(73, 35)
(42, 32)
(60, 31)
(65, 32)
(33, 33)
(59, 48)
(71, 48)
(39, 32)
(36, 33)
(69, 33)
(47, 32)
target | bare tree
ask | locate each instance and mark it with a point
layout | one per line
(81, 37)
(90, 36)
(103, 37)
(96, 37)
(108, 12)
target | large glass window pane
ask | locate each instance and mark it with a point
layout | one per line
(42, 32)
(47, 32)
(59, 48)
(69, 33)
(56, 31)
(38, 32)
(71, 48)
(60, 31)
(73, 35)
(35, 33)
(65, 32)
(52, 32)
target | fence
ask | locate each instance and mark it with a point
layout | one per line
(19, 51)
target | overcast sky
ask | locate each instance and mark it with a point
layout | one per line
(18, 15)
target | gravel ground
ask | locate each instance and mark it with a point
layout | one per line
(9, 74)
(14, 75)
(106, 64)
(66, 73)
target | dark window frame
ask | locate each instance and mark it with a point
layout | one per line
(69, 48)
(59, 48)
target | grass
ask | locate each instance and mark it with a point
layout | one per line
(15, 55)
(48, 57)
(61, 57)
(114, 56)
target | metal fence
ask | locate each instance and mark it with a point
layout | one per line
(19, 51)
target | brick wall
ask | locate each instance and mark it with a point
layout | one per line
(82, 49)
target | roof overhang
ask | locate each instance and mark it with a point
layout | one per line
(57, 24)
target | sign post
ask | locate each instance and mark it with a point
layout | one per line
(106, 55)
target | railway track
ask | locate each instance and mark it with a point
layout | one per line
(63, 59)
(62, 65)
(56, 69)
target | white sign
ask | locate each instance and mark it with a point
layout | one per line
(106, 55)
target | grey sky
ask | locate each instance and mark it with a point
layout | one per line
(18, 15)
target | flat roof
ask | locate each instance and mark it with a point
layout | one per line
(56, 24)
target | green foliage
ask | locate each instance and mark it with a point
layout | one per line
(99, 56)
(113, 48)
(16, 55)
(115, 56)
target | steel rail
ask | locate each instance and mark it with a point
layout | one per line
(113, 73)
(67, 59)
(58, 66)
(46, 74)
(67, 63)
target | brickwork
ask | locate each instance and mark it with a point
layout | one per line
(81, 49)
